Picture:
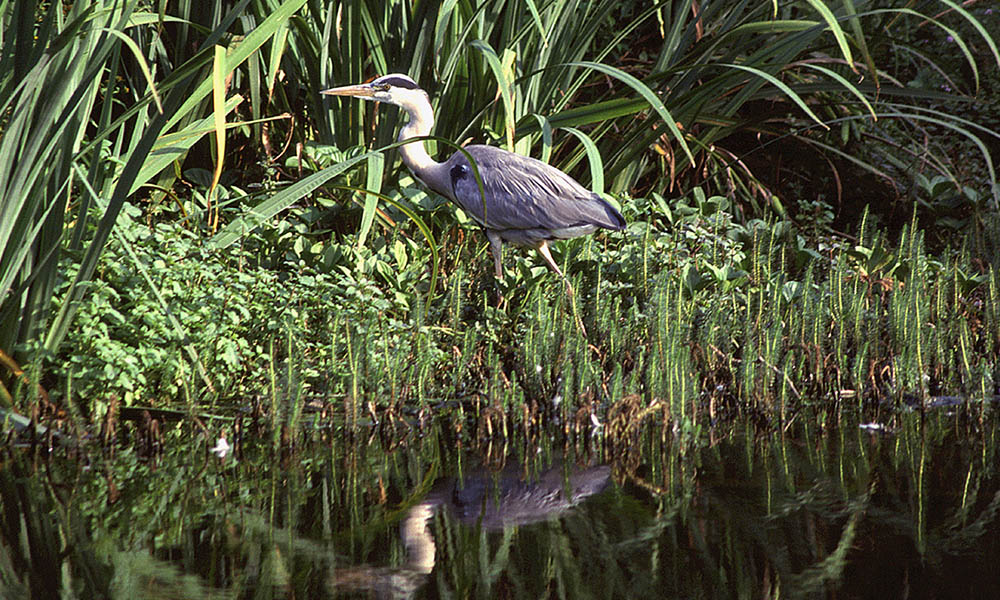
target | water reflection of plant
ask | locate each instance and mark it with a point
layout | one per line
(803, 512)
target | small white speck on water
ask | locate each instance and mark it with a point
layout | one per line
(221, 448)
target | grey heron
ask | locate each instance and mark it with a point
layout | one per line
(527, 202)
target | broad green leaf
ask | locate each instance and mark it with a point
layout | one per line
(847, 85)
(256, 216)
(593, 157)
(173, 146)
(141, 61)
(776, 26)
(781, 86)
(647, 94)
(376, 168)
(859, 38)
(546, 128)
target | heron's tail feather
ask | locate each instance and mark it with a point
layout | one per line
(611, 218)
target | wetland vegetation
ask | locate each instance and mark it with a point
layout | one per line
(797, 331)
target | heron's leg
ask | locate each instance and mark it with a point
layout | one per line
(543, 249)
(496, 247)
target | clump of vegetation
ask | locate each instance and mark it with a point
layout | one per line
(687, 310)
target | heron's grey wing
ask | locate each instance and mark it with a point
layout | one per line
(526, 194)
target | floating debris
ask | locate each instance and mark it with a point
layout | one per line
(874, 428)
(222, 447)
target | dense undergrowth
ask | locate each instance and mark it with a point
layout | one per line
(687, 313)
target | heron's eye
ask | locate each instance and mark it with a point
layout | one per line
(381, 87)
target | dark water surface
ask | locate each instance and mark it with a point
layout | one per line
(909, 510)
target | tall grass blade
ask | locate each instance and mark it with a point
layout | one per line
(834, 26)
(219, 74)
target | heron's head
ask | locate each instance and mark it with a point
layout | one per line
(395, 89)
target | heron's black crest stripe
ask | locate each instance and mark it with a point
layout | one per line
(400, 82)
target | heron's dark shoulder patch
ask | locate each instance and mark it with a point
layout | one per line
(458, 173)
(400, 81)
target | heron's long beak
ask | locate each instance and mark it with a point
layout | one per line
(361, 90)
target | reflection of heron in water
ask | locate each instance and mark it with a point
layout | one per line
(487, 500)
(494, 501)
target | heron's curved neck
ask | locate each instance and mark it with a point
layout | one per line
(414, 155)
